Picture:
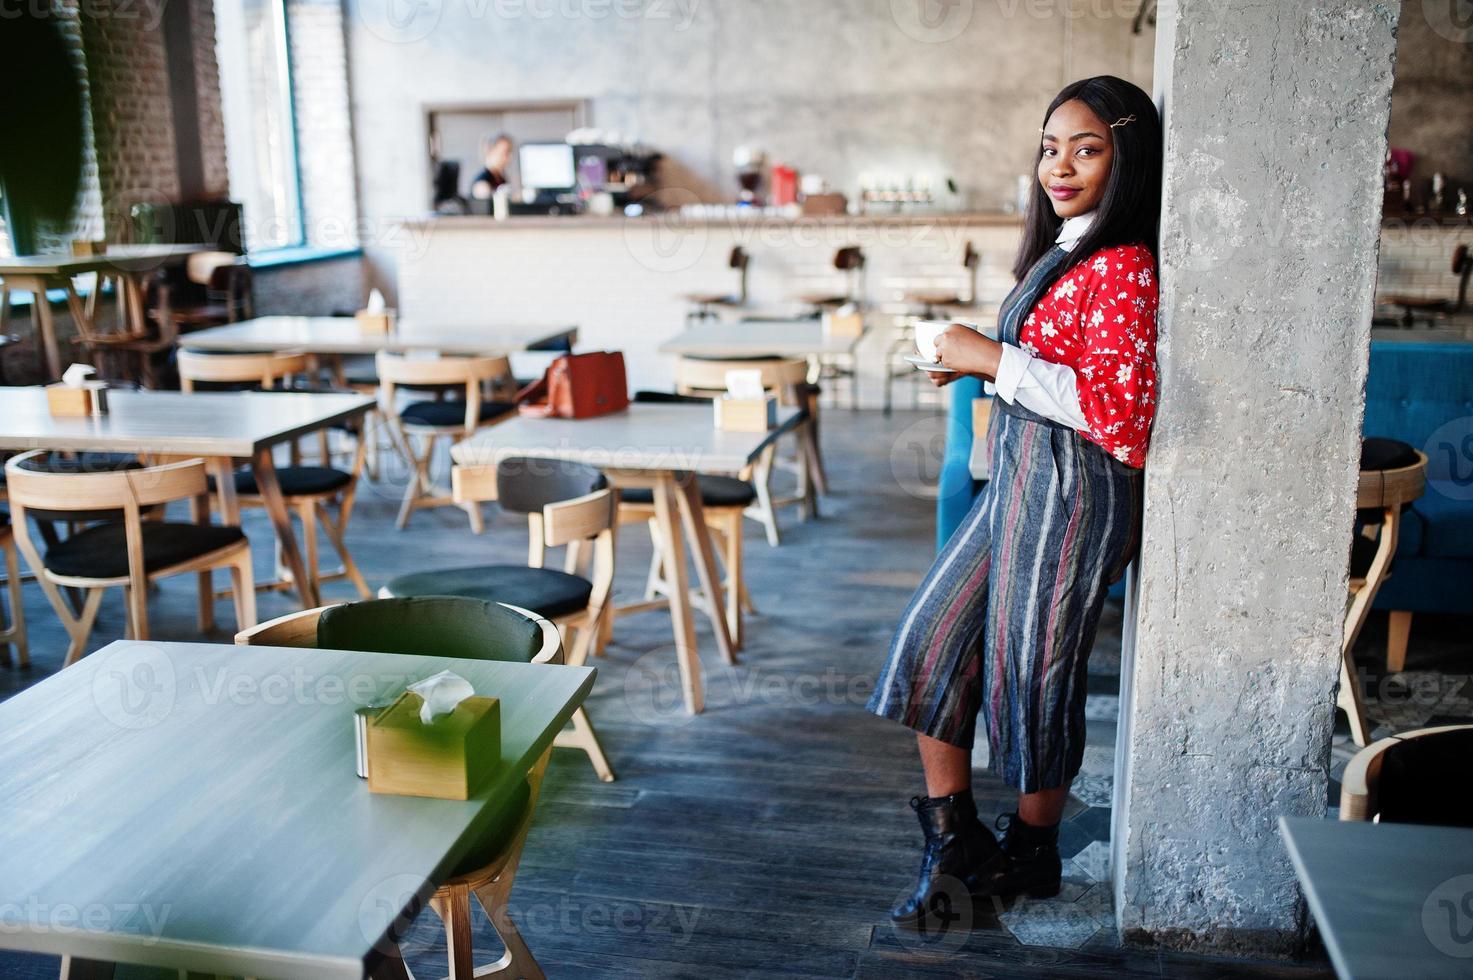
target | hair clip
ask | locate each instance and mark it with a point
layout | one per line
(1122, 121)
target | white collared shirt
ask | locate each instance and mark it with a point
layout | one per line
(1043, 387)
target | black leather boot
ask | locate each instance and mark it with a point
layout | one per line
(1027, 863)
(957, 848)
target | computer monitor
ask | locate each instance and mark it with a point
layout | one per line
(547, 166)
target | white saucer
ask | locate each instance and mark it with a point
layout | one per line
(925, 365)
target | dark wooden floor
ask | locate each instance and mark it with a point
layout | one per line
(770, 834)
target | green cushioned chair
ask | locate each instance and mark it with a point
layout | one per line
(466, 629)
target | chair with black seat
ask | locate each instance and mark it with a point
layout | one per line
(849, 260)
(466, 629)
(1392, 475)
(431, 420)
(1418, 777)
(788, 379)
(129, 552)
(1439, 306)
(725, 501)
(13, 629)
(312, 492)
(702, 305)
(565, 504)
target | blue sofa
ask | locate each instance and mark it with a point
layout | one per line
(1418, 390)
(1415, 390)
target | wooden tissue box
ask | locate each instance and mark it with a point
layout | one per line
(66, 401)
(376, 322)
(746, 414)
(85, 248)
(446, 760)
(843, 325)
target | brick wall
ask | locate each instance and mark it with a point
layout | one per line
(132, 113)
(207, 98)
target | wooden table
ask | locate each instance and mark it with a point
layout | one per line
(656, 446)
(1391, 900)
(758, 338)
(338, 335)
(221, 427)
(197, 805)
(129, 264)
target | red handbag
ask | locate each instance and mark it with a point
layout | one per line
(578, 386)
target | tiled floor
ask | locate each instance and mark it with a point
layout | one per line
(771, 833)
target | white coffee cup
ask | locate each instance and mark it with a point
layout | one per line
(926, 332)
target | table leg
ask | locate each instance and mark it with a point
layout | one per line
(270, 490)
(73, 968)
(222, 468)
(45, 328)
(667, 494)
(693, 516)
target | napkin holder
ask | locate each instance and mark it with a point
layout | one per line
(381, 322)
(746, 414)
(843, 325)
(447, 759)
(76, 401)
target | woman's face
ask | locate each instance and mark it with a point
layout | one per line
(1077, 152)
(498, 155)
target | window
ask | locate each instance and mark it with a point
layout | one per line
(252, 48)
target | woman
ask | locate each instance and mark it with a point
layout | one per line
(1004, 622)
(497, 157)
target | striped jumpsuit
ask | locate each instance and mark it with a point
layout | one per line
(1004, 621)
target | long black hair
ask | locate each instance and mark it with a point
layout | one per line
(1131, 206)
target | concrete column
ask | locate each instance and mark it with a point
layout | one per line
(1276, 123)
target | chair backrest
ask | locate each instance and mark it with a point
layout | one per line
(469, 373)
(440, 626)
(1462, 268)
(1418, 777)
(32, 483)
(739, 261)
(200, 267)
(849, 257)
(263, 370)
(694, 376)
(564, 502)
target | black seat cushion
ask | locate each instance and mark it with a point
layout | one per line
(443, 625)
(716, 491)
(670, 398)
(450, 413)
(1377, 453)
(102, 551)
(545, 591)
(1419, 784)
(296, 480)
(1385, 454)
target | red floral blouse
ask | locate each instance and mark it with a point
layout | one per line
(1100, 320)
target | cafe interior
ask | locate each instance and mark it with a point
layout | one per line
(467, 466)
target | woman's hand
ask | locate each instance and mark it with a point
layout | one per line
(966, 351)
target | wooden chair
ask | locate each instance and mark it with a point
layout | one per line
(1415, 777)
(432, 420)
(1428, 307)
(468, 629)
(12, 634)
(850, 261)
(130, 552)
(788, 378)
(1392, 475)
(702, 303)
(308, 490)
(939, 302)
(566, 504)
